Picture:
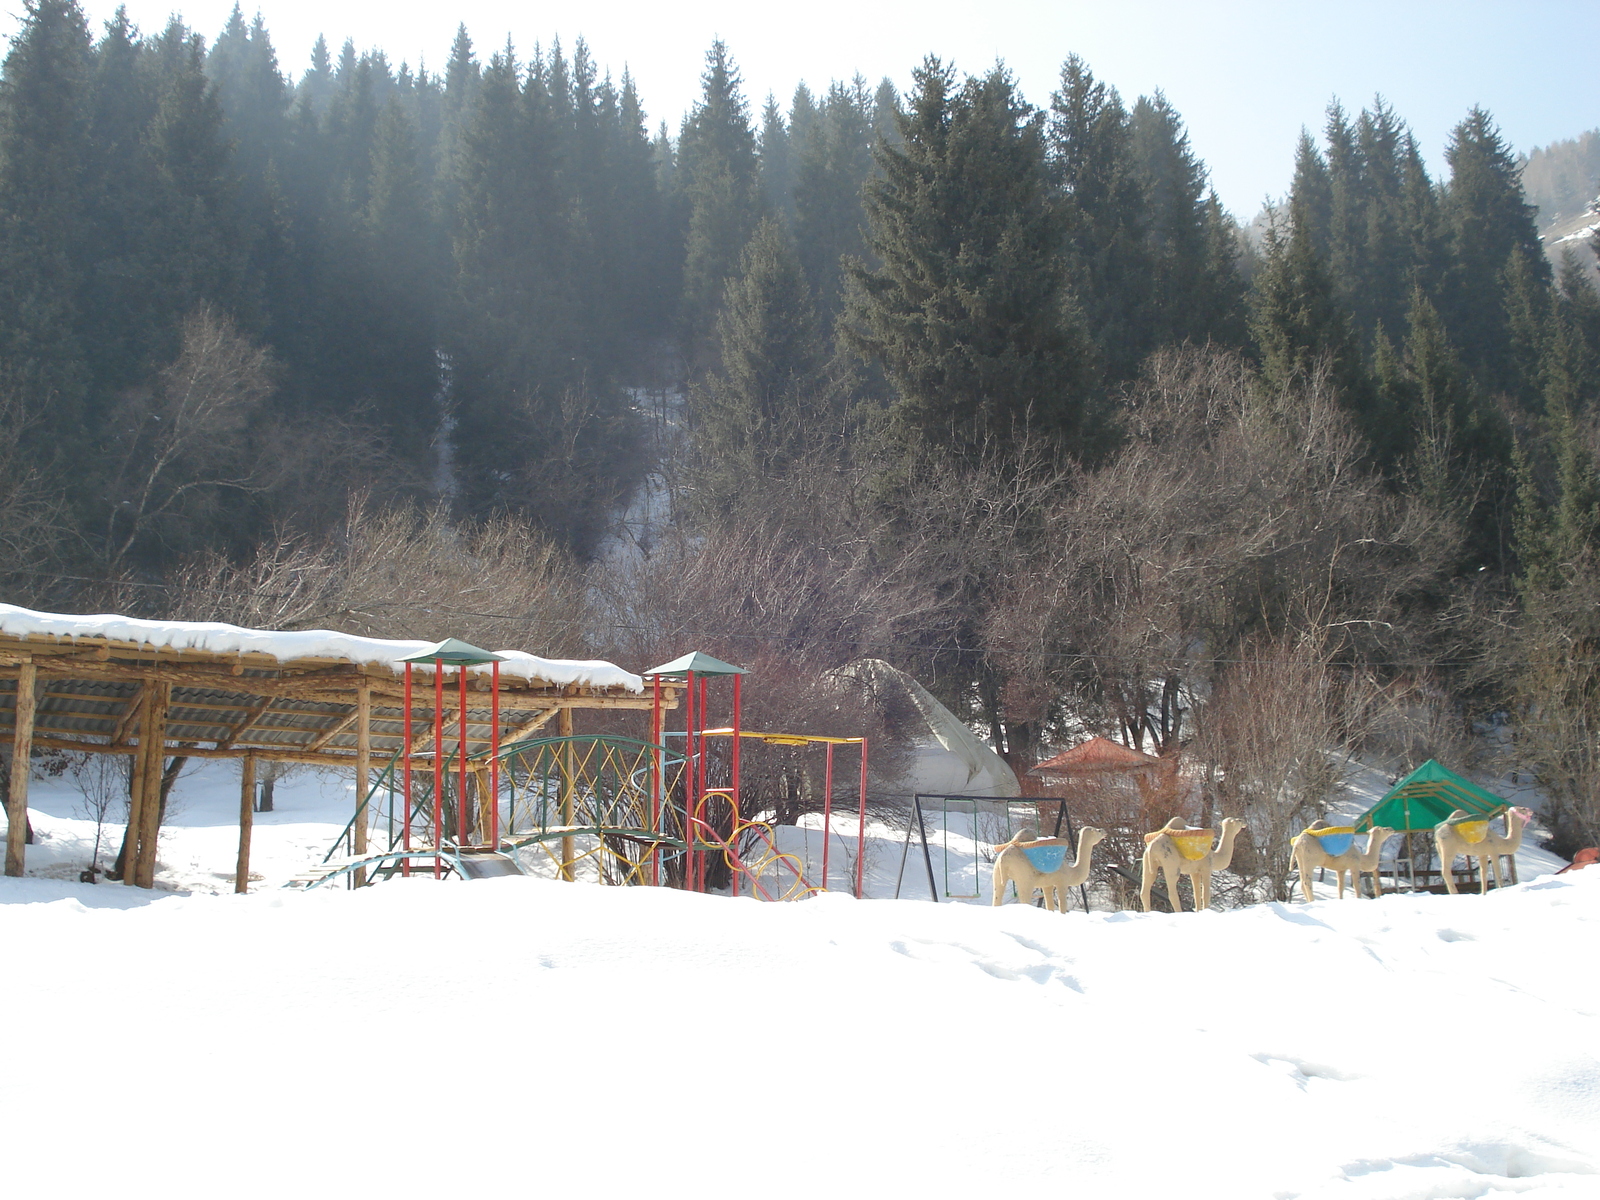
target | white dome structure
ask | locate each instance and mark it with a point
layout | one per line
(946, 758)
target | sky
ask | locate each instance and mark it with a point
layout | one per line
(1246, 76)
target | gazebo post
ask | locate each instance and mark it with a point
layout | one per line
(247, 809)
(363, 772)
(568, 786)
(21, 768)
(150, 813)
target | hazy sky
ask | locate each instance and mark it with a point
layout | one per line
(1245, 75)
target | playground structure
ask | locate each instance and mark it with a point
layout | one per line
(600, 807)
(1175, 850)
(1328, 847)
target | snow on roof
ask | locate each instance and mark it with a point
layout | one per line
(287, 645)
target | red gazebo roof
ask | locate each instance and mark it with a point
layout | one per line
(1096, 755)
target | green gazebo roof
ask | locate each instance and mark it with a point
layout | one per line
(700, 664)
(1426, 797)
(456, 653)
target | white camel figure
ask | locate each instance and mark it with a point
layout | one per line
(1169, 851)
(1453, 839)
(1309, 854)
(1013, 865)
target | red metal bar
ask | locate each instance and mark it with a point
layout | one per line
(438, 764)
(861, 832)
(405, 752)
(827, 815)
(688, 782)
(494, 757)
(461, 762)
(655, 780)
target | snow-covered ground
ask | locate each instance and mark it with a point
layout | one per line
(571, 1039)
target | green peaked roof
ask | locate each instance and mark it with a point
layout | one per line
(1426, 797)
(455, 652)
(700, 664)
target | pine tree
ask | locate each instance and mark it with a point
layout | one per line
(1300, 329)
(833, 161)
(1102, 200)
(773, 391)
(777, 168)
(969, 314)
(1458, 452)
(1196, 297)
(1488, 221)
(1311, 194)
(720, 181)
(45, 152)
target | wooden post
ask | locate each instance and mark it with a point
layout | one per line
(568, 787)
(21, 768)
(150, 816)
(247, 810)
(136, 798)
(363, 771)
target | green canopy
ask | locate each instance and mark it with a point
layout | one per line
(456, 653)
(700, 664)
(1426, 797)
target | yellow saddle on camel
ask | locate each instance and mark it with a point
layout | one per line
(1193, 844)
(1472, 832)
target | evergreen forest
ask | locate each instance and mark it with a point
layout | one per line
(986, 385)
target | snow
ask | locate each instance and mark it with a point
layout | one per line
(287, 645)
(581, 1040)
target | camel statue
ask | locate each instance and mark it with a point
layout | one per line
(1177, 850)
(1041, 864)
(1460, 834)
(1315, 848)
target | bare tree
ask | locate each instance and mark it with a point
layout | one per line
(181, 441)
(401, 571)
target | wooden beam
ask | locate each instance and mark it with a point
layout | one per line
(527, 727)
(363, 709)
(243, 726)
(21, 769)
(119, 735)
(247, 816)
(262, 753)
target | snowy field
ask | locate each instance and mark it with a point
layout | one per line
(554, 1039)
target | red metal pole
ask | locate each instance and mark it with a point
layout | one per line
(734, 768)
(438, 764)
(688, 782)
(736, 742)
(494, 756)
(405, 753)
(700, 787)
(461, 763)
(656, 724)
(827, 814)
(861, 832)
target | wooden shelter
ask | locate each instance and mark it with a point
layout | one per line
(146, 689)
